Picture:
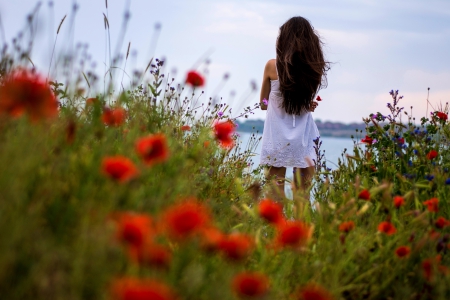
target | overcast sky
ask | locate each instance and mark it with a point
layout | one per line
(375, 45)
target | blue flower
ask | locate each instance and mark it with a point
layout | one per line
(447, 181)
(429, 177)
(415, 151)
(410, 163)
(397, 153)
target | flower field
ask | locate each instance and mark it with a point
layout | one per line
(144, 195)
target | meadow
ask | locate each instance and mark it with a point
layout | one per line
(142, 194)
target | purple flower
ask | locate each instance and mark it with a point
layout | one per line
(265, 101)
(220, 114)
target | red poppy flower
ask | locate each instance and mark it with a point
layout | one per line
(91, 101)
(134, 229)
(401, 141)
(441, 222)
(402, 251)
(185, 128)
(271, 211)
(399, 201)
(364, 194)
(195, 79)
(442, 116)
(367, 140)
(141, 289)
(347, 226)
(318, 98)
(432, 204)
(119, 168)
(236, 246)
(151, 254)
(223, 132)
(185, 219)
(432, 154)
(387, 228)
(293, 233)
(211, 238)
(250, 284)
(313, 292)
(114, 116)
(25, 92)
(153, 149)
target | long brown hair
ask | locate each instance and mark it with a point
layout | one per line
(301, 65)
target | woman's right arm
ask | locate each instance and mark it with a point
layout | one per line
(265, 87)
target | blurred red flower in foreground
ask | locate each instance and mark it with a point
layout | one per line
(211, 238)
(184, 219)
(236, 246)
(195, 79)
(367, 140)
(432, 154)
(153, 149)
(432, 204)
(441, 222)
(271, 211)
(119, 168)
(141, 289)
(313, 292)
(442, 116)
(152, 254)
(293, 233)
(387, 227)
(134, 229)
(347, 226)
(114, 116)
(250, 284)
(399, 201)
(185, 128)
(364, 194)
(25, 92)
(223, 132)
(402, 251)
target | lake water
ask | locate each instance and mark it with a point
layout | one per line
(332, 146)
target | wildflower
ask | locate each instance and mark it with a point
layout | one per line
(399, 201)
(387, 228)
(236, 246)
(223, 132)
(402, 251)
(134, 229)
(432, 204)
(432, 154)
(195, 79)
(442, 116)
(211, 238)
(185, 219)
(347, 226)
(293, 233)
(153, 149)
(185, 128)
(313, 292)
(220, 114)
(140, 289)
(265, 101)
(367, 140)
(400, 141)
(119, 168)
(271, 211)
(447, 181)
(24, 92)
(113, 117)
(318, 98)
(441, 222)
(364, 194)
(152, 254)
(91, 101)
(429, 177)
(250, 284)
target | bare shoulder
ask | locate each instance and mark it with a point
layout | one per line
(271, 70)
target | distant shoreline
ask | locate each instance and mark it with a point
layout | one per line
(328, 129)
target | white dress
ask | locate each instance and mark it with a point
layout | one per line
(287, 139)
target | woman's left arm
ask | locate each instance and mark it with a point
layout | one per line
(265, 87)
